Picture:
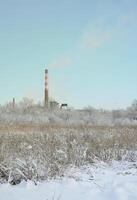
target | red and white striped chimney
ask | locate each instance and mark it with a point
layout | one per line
(46, 88)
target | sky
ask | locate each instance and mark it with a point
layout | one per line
(88, 46)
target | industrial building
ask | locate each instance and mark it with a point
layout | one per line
(47, 103)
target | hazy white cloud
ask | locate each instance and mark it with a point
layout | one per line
(62, 61)
(100, 33)
(128, 19)
(93, 40)
(103, 31)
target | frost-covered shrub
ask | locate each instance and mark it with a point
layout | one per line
(28, 112)
(42, 152)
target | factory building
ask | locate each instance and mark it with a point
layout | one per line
(47, 103)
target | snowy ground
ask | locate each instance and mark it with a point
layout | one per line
(99, 182)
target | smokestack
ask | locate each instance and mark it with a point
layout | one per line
(13, 103)
(46, 88)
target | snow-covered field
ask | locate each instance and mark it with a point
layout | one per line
(67, 155)
(115, 181)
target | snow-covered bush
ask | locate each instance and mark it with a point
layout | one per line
(28, 112)
(38, 143)
(42, 152)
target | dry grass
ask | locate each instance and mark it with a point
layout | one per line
(39, 152)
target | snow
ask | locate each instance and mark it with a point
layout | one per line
(115, 181)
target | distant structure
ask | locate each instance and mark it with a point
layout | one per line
(54, 105)
(13, 103)
(64, 105)
(46, 92)
(135, 118)
(51, 104)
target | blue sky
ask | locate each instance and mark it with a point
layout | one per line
(89, 47)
